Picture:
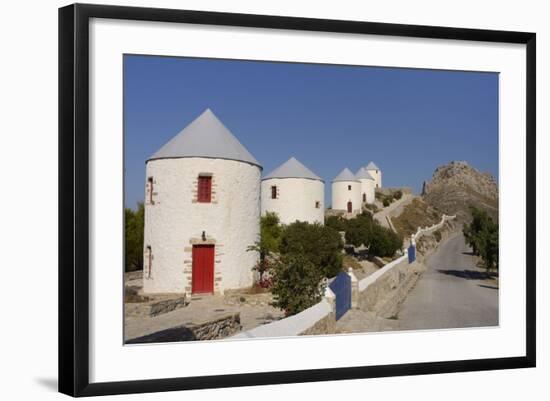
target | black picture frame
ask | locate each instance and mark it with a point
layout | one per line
(74, 198)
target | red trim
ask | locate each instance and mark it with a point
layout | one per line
(204, 190)
(203, 269)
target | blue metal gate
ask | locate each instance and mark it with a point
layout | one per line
(341, 286)
(412, 253)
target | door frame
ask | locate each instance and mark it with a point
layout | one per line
(194, 276)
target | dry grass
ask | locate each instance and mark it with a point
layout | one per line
(414, 215)
(350, 261)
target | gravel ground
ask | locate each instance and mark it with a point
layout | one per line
(200, 309)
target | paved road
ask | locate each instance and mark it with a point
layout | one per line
(452, 293)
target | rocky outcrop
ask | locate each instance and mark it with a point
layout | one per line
(456, 186)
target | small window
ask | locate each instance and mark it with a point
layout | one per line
(364, 197)
(149, 257)
(349, 187)
(274, 192)
(150, 199)
(317, 204)
(204, 192)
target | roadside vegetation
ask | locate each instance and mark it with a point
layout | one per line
(388, 198)
(416, 214)
(482, 235)
(267, 246)
(294, 261)
(133, 238)
(363, 230)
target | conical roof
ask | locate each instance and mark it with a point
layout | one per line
(292, 168)
(205, 137)
(345, 175)
(363, 174)
(372, 166)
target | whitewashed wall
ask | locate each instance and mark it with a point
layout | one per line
(341, 195)
(296, 199)
(367, 187)
(176, 220)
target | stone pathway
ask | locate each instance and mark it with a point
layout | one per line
(393, 210)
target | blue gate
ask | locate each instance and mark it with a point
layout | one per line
(412, 253)
(341, 286)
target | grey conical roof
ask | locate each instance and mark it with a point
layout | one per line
(345, 175)
(372, 166)
(206, 137)
(363, 174)
(292, 168)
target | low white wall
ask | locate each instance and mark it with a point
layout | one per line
(425, 230)
(367, 281)
(293, 325)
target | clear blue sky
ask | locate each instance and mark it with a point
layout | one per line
(329, 117)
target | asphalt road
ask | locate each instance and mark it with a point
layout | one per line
(452, 293)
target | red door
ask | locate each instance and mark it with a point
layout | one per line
(203, 269)
(349, 207)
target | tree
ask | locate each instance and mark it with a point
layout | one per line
(482, 235)
(320, 245)
(268, 244)
(380, 241)
(384, 242)
(336, 222)
(133, 238)
(359, 230)
(297, 283)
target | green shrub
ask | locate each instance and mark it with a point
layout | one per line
(321, 245)
(359, 230)
(437, 235)
(133, 238)
(398, 194)
(381, 241)
(384, 242)
(268, 243)
(386, 202)
(482, 235)
(297, 283)
(336, 222)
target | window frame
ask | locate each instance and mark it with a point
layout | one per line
(204, 192)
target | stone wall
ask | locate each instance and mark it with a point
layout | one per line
(428, 242)
(387, 292)
(215, 329)
(219, 328)
(326, 325)
(154, 307)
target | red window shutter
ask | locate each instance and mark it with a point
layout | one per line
(205, 189)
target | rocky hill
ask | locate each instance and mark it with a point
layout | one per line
(456, 186)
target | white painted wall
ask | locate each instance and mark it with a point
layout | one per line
(341, 195)
(367, 187)
(377, 175)
(231, 220)
(296, 199)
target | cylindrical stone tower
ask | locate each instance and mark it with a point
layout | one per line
(202, 212)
